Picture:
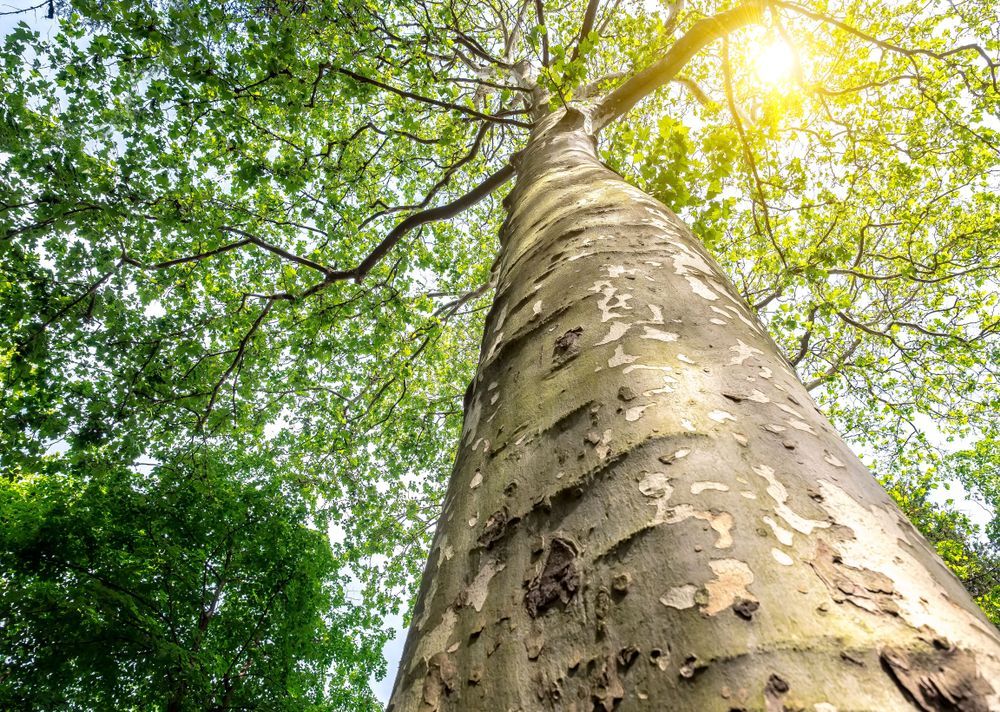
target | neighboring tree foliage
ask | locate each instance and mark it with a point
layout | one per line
(198, 584)
(971, 552)
(233, 319)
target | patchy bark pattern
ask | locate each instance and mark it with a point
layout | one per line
(567, 346)
(866, 589)
(941, 679)
(775, 689)
(558, 580)
(647, 511)
(441, 680)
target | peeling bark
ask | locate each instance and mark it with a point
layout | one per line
(939, 680)
(647, 510)
(558, 581)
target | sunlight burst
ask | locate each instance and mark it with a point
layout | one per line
(775, 63)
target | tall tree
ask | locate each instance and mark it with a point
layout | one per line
(647, 506)
(226, 233)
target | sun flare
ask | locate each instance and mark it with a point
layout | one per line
(775, 63)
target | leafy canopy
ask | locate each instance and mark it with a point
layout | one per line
(236, 329)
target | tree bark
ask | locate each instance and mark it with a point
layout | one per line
(647, 510)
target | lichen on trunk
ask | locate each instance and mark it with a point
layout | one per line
(647, 510)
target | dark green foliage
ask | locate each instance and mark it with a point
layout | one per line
(202, 583)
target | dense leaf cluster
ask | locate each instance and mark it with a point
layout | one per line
(198, 584)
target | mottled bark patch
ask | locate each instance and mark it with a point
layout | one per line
(606, 685)
(680, 597)
(729, 585)
(558, 581)
(866, 589)
(440, 681)
(475, 593)
(775, 689)
(497, 526)
(940, 679)
(567, 346)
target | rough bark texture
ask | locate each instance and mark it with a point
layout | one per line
(647, 510)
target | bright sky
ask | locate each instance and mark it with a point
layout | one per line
(775, 64)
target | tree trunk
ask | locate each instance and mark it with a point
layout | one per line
(647, 511)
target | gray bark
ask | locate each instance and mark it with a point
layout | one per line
(647, 510)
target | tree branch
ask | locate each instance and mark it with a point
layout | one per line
(673, 15)
(428, 100)
(237, 360)
(39, 6)
(248, 239)
(476, 48)
(90, 290)
(183, 260)
(873, 331)
(704, 32)
(540, 16)
(452, 306)
(274, 249)
(696, 91)
(748, 154)
(442, 212)
(608, 17)
(804, 341)
(835, 367)
(589, 15)
(441, 183)
(584, 91)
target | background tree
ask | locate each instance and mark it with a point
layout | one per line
(196, 584)
(223, 224)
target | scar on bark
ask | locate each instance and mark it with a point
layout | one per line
(774, 690)
(441, 680)
(745, 608)
(693, 667)
(496, 528)
(866, 589)
(606, 689)
(558, 581)
(941, 678)
(567, 346)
